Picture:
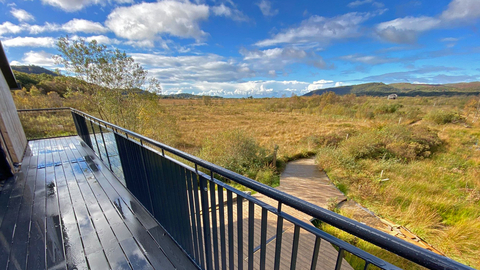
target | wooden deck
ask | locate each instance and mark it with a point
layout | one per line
(65, 210)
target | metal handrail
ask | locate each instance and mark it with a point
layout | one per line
(400, 247)
(46, 109)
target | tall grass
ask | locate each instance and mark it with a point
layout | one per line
(413, 160)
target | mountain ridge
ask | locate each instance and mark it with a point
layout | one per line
(403, 89)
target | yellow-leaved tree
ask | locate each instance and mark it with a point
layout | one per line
(116, 84)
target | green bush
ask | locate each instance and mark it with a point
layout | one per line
(387, 108)
(442, 117)
(236, 151)
(405, 143)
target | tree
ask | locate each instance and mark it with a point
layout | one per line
(114, 80)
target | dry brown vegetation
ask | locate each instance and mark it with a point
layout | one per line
(425, 149)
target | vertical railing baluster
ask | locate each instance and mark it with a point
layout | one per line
(263, 239)
(240, 231)
(196, 193)
(221, 213)
(106, 151)
(206, 222)
(147, 180)
(338, 265)
(296, 236)
(367, 264)
(251, 231)
(278, 241)
(316, 249)
(214, 224)
(231, 258)
(191, 204)
(96, 142)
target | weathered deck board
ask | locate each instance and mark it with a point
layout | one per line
(65, 210)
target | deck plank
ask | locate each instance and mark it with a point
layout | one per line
(10, 219)
(54, 236)
(36, 250)
(18, 253)
(98, 203)
(83, 202)
(74, 253)
(148, 244)
(65, 210)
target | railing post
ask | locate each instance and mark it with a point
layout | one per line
(82, 129)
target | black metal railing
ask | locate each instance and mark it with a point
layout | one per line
(221, 227)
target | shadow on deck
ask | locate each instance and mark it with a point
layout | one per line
(66, 210)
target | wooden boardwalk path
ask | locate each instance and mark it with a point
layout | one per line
(302, 179)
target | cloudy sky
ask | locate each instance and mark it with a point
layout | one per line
(263, 48)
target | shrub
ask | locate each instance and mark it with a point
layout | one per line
(442, 117)
(387, 108)
(394, 141)
(235, 151)
(268, 176)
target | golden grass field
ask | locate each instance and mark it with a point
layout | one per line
(427, 147)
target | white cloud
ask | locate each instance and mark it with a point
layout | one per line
(405, 30)
(228, 12)
(22, 15)
(216, 75)
(80, 25)
(30, 42)
(449, 39)
(72, 26)
(40, 58)
(320, 84)
(368, 59)
(357, 3)
(37, 29)
(319, 29)
(462, 10)
(103, 40)
(418, 24)
(279, 58)
(270, 88)
(70, 5)
(147, 20)
(266, 8)
(212, 68)
(9, 28)
(143, 43)
(75, 5)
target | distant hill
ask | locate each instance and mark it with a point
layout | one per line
(48, 82)
(403, 89)
(32, 69)
(185, 96)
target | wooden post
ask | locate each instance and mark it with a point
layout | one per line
(274, 161)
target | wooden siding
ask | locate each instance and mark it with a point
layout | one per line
(13, 137)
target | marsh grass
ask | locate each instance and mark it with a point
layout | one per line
(432, 166)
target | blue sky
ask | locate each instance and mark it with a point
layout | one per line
(261, 48)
